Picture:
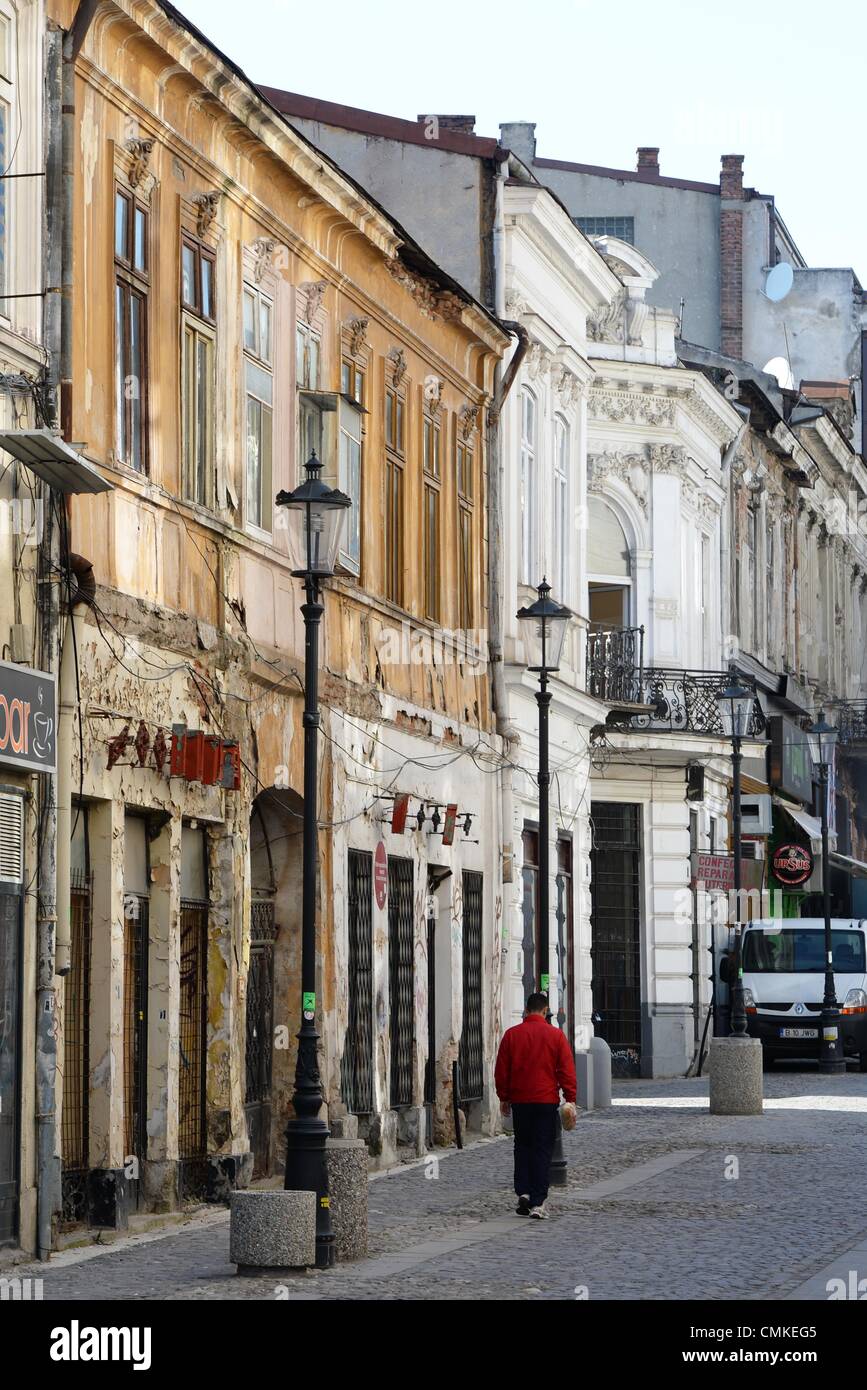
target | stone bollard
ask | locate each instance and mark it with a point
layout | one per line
(600, 1052)
(272, 1232)
(735, 1076)
(346, 1161)
(584, 1073)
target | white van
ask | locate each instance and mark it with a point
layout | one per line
(783, 963)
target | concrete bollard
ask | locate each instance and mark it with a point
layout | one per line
(584, 1073)
(600, 1053)
(272, 1231)
(735, 1066)
(346, 1161)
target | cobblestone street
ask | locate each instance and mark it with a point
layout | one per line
(649, 1212)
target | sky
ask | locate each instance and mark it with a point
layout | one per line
(701, 79)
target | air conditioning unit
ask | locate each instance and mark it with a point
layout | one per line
(757, 815)
(752, 849)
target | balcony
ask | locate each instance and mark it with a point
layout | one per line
(658, 698)
(852, 722)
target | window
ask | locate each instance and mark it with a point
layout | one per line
(608, 567)
(198, 368)
(259, 386)
(465, 483)
(7, 150)
(751, 544)
(561, 509)
(772, 595)
(131, 267)
(432, 469)
(307, 356)
(395, 457)
(350, 483)
(352, 380)
(529, 564)
(621, 227)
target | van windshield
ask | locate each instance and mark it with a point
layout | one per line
(799, 951)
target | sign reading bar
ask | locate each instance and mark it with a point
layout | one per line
(714, 872)
(792, 864)
(28, 718)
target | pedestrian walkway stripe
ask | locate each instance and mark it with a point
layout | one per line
(632, 1176)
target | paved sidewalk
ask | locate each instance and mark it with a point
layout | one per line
(664, 1201)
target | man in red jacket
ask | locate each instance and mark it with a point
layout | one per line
(534, 1064)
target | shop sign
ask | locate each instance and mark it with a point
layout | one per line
(380, 876)
(715, 873)
(792, 864)
(791, 759)
(28, 718)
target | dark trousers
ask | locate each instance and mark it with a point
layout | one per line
(535, 1131)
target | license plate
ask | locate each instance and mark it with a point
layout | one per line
(799, 1033)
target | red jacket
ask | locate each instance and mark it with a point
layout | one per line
(534, 1064)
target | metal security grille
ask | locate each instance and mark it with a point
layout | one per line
(135, 941)
(76, 1053)
(400, 975)
(430, 1071)
(471, 1047)
(10, 1060)
(258, 1054)
(616, 928)
(530, 910)
(192, 1023)
(357, 1061)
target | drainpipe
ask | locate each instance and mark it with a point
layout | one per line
(725, 538)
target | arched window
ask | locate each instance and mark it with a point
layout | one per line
(529, 490)
(608, 567)
(560, 570)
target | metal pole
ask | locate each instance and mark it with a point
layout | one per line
(306, 1132)
(738, 1012)
(831, 1059)
(543, 698)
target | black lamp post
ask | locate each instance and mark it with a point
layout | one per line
(735, 704)
(831, 1059)
(317, 515)
(544, 626)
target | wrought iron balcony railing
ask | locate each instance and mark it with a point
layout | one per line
(655, 697)
(615, 661)
(851, 721)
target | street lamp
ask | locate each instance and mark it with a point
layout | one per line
(543, 626)
(735, 703)
(824, 739)
(317, 514)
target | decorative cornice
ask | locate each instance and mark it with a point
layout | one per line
(635, 407)
(669, 458)
(433, 302)
(607, 325)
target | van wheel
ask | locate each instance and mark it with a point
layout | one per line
(767, 1061)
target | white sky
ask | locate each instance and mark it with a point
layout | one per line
(785, 89)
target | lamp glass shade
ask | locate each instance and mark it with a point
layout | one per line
(317, 516)
(823, 740)
(543, 627)
(735, 704)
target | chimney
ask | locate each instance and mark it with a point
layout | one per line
(648, 161)
(731, 179)
(520, 138)
(731, 255)
(466, 125)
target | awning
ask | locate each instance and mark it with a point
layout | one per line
(856, 867)
(811, 824)
(48, 455)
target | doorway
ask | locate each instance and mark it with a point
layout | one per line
(615, 920)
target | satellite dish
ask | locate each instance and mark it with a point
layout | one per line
(779, 367)
(779, 282)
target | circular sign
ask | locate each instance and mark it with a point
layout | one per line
(380, 876)
(792, 864)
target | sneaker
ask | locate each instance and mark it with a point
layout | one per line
(539, 1213)
(523, 1207)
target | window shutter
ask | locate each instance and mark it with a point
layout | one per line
(11, 838)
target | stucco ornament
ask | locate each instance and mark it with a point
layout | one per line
(515, 305)
(263, 255)
(433, 302)
(140, 151)
(356, 329)
(607, 324)
(538, 362)
(669, 458)
(433, 393)
(568, 388)
(397, 357)
(207, 205)
(631, 469)
(467, 420)
(314, 290)
(637, 407)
